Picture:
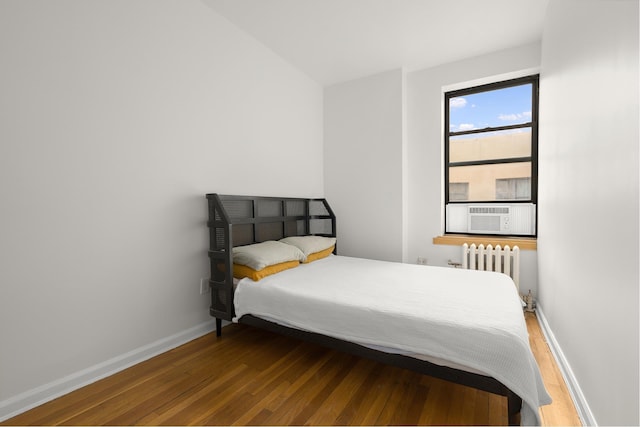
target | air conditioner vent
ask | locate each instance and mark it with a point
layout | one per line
(487, 223)
(488, 210)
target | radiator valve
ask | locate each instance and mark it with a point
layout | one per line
(528, 299)
(454, 264)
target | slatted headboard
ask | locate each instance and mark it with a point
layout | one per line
(243, 220)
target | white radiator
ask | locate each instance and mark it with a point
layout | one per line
(503, 260)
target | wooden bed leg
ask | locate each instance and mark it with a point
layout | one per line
(218, 326)
(514, 404)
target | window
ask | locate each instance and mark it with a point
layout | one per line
(459, 190)
(491, 147)
(513, 189)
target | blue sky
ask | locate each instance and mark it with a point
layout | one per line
(501, 107)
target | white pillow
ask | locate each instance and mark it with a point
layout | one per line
(261, 255)
(310, 244)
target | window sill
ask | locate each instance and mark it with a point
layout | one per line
(524, 243)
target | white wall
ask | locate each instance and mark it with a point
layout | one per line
(363, 164)
(425, 109)
(588, 217)
(117, 118)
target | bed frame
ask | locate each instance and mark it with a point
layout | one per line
(242, 220)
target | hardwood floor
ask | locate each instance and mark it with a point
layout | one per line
(252, 377)
(562, 411)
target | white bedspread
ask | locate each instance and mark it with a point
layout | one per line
(471, 318)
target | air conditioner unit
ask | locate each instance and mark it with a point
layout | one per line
(513, 219)
(489, 219)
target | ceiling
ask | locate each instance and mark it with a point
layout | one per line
(339, 40)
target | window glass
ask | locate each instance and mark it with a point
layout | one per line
(493, 181)
(515, 143)
(491, 108)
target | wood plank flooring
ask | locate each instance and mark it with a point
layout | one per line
(253, 377)
(562, 411)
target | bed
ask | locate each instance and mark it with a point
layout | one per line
(458, 325)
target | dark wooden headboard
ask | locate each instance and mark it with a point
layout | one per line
(243, 220)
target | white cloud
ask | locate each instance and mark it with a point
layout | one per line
(457, 102)
(515, 116)
(466, 126)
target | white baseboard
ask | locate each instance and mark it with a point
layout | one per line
(579, 400)
(37, 396)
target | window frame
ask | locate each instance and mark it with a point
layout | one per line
(534, 80)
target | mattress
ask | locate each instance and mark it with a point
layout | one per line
(466, 319)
